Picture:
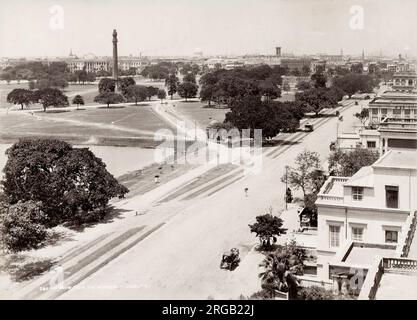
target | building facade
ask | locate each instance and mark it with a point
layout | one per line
(393, 105)
(404, 80)
(370, 207)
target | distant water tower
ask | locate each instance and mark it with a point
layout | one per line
(278, 51)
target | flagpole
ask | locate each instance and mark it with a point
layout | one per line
(337, 132)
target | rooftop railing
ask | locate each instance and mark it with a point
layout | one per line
(328, 186)
(411, 230)
(399, 264)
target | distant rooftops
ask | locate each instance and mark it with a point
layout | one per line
(412, 94)
(406, 73)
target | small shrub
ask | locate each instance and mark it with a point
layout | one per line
(315, 293)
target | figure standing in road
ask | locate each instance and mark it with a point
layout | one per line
(246, 191)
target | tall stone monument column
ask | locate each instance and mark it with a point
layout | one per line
(115, 62)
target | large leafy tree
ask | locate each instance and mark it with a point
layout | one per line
(151, 91)
(228, 86)
(316, 99)
(207, 85)
(107, 85)
(319, 80)
(109, 98)
(189, 77)
(161, 94)
(303, 175)
(124, 83)
(269, 90)
(352, 83)
(187, 90)
(159, 71)
(303, 85)
(54, 75)
(20, 96)
(50, 97)
(81, 75)
(231, 89)
(347, 163)
(267, 228)
(269, 116)
(136, 93)
(72, 184)
(172, 83)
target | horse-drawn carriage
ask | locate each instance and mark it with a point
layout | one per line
(230, 260)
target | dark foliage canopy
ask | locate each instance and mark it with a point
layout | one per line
(71, 183)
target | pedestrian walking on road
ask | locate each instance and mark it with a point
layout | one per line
(246, 191)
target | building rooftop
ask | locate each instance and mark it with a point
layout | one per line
(403, 101)
(407, 73)
(394, 286)
(401, 159)
(368, 132)
(363, 178)
(399, 94)
(365, 255)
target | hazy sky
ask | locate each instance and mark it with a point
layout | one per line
(178, 27)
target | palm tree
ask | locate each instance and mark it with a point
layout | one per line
(281, 268)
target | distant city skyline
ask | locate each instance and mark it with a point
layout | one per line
(178, 28)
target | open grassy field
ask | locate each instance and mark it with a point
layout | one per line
(198, 111)
(105, 126)
(87, 91)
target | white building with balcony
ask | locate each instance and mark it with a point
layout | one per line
(394, 105)
(370, 207)
(404, 79)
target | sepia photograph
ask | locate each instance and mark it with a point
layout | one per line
(184, 150)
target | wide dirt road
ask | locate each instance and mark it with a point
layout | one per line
(181, 259)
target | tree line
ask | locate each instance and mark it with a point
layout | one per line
(53, 97)
(250, 94)
(129, 91)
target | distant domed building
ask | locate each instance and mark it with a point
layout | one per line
(198, 52)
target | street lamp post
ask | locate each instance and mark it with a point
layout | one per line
(195, 130)
(337, 133)
(286, 187)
